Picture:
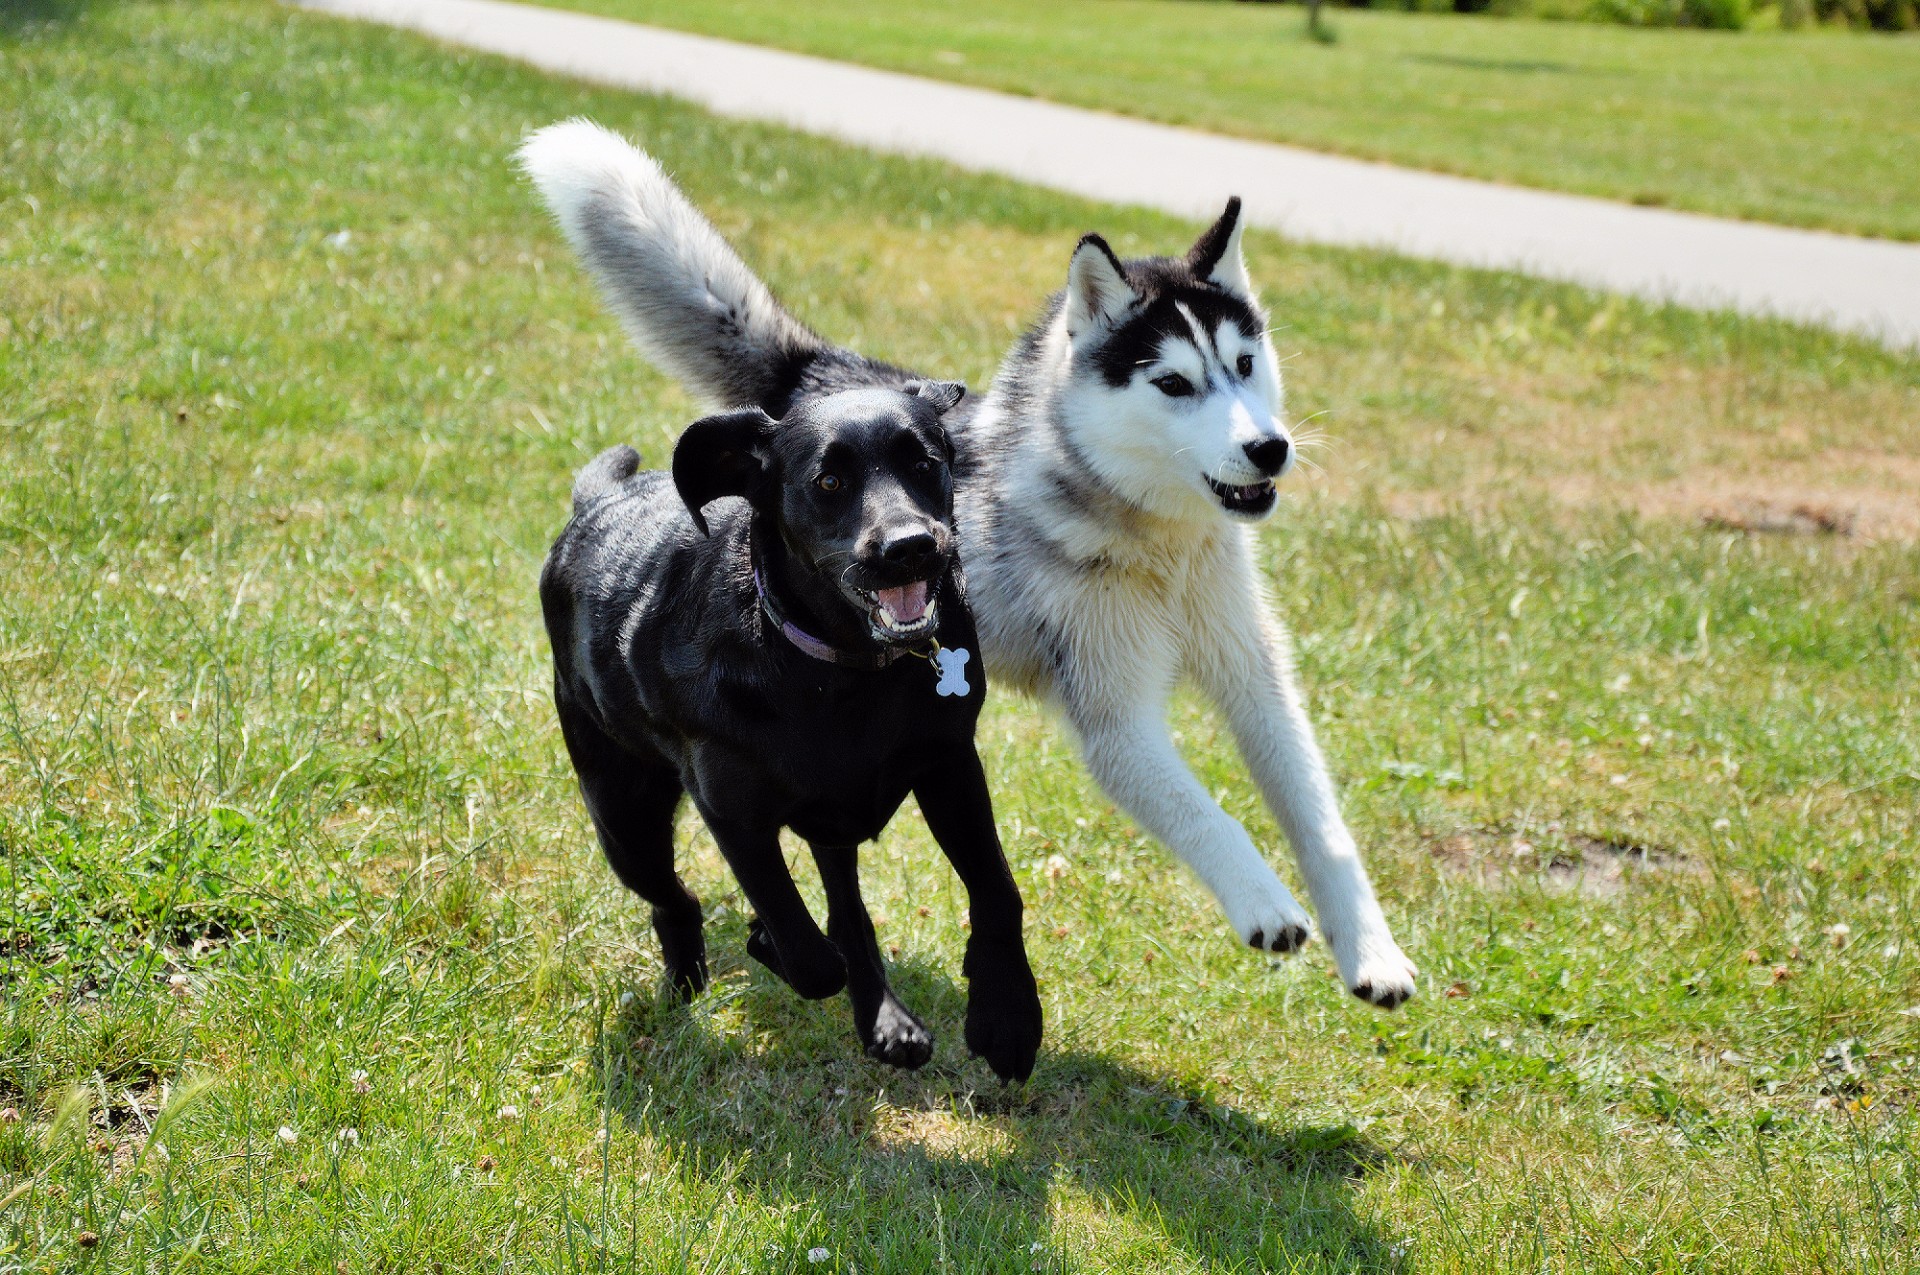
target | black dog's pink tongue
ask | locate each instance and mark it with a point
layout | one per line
(905, 604)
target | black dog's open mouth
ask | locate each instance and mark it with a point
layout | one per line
(901, 613)
(1256, 498)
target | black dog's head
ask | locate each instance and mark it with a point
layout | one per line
(858, 485)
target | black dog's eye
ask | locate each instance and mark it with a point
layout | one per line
(1173, 385)
(1244, 365)
(828, 482)
(923, 466)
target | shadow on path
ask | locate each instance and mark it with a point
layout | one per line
(910, 1170)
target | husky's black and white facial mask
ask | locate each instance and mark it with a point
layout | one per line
(1175, 396)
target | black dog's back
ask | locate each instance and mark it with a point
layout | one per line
(604, 473)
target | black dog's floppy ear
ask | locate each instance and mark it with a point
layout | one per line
(722, 455)
(943, 395)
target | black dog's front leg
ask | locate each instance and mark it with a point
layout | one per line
(889, 1030)
(1003, 1004)
(785, 938)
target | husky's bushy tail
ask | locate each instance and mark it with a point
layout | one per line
(688, 301)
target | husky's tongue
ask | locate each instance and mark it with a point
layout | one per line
(906, 604)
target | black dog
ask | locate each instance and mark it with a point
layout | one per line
(765, 666)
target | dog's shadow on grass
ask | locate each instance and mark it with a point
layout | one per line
(945, 1169)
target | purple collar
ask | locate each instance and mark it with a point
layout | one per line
(814, 646)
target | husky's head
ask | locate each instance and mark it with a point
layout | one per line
(1175, 392)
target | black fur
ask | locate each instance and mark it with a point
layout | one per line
(669, 679)
(1162, 284)
(1208, 250)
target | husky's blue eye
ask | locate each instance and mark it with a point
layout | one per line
(1173, 385)
(1244, 365)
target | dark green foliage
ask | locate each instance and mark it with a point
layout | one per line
(1712, 15)
(1881, 15)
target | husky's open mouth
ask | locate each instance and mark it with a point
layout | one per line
(902, 613)
(1253, 499)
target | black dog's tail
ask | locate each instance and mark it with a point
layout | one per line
(689, 302)
(602, 474)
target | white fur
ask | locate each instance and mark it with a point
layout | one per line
(1164, 592)
(656, 258)
(1231, 270)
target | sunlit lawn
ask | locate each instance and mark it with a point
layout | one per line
(309, 961)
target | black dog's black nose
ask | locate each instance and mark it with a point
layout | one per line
(1268, 454)
(907, 548)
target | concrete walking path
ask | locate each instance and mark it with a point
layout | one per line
(1866, 286)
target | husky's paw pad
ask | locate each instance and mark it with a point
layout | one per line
(1269, 920)
(1385, 997)
(1284, 938)
(1384, 978)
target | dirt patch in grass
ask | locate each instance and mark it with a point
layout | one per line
(1851, 496)
(1883, 509)
(1592, 866)
(1726, 447)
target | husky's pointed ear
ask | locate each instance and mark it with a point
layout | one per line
(1097, 287)
(724, 455)
(1216, 256)
(943, 395)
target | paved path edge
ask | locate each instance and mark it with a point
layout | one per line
(1868, 287)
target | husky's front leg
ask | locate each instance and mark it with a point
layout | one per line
(1243, 661)
(1134, 760)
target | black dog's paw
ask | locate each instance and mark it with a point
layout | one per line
(684, 982)
(1008, 1040)
(685, 954)
(760, 947)
(1003, 1018)
(816, 975)
(897, 1038)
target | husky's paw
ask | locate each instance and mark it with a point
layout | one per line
(1376, 970)
(1270, 920)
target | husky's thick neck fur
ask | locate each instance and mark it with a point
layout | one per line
(1103, 487)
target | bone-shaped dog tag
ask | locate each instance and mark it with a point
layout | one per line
(952, 663)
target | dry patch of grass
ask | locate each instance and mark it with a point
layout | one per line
(1733, 446)
(1590, 866)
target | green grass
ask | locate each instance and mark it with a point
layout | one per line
(293, 373)
(1802, 129)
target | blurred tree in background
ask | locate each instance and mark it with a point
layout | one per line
(1725, 15)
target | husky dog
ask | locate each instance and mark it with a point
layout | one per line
(1106, 488)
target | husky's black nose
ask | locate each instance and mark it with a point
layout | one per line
(1268, 454)
(908, 548)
